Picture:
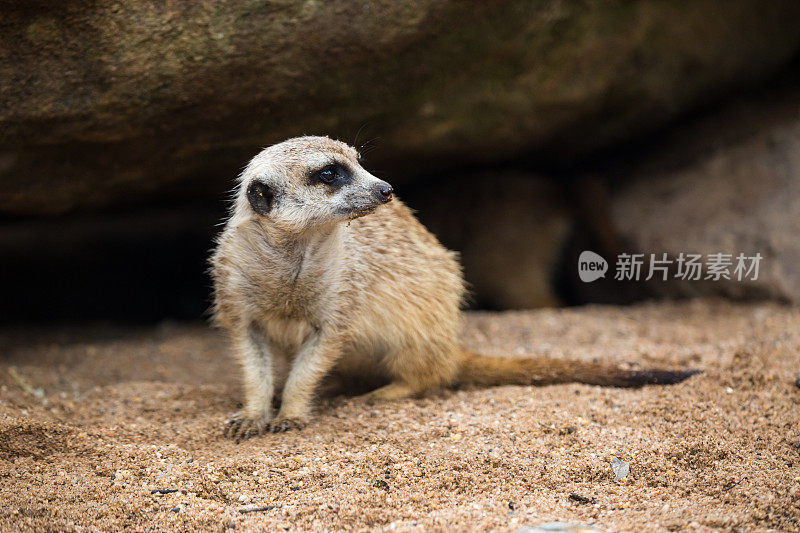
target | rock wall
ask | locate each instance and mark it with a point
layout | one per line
(515, 128)
(737, 197)
(725, 183)
(107, 102)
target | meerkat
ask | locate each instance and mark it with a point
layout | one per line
(320, 271)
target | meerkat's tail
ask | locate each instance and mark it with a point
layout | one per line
(490, 371)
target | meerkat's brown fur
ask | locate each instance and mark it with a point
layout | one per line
(318, 272)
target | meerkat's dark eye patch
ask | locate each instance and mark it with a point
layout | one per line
(260, 197)
(334, 175)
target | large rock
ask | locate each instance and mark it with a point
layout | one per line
(739, 192)
(104, 101)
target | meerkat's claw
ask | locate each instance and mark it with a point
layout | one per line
(231, 426)
(240, 427)
(287, 424)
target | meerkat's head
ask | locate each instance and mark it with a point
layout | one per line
(309, 181)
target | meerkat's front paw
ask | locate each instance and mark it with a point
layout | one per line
(240, 427)
(281, 424)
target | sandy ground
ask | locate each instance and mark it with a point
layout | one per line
(125, 412)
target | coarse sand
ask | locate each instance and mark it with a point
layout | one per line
(95, 420)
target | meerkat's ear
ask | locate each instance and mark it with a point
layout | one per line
(260, 197)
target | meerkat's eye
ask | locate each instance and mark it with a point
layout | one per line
(327, 174)
(334, 175)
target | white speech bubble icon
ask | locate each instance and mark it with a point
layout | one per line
(591, 266)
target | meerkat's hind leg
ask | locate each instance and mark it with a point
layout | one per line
(412, 374)
(396, 390)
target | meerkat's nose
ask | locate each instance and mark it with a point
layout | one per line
(386, 193)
